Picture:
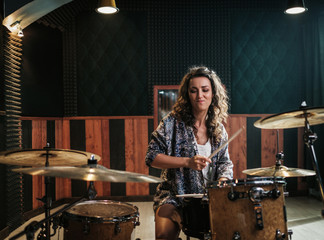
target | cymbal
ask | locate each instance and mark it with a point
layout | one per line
(280, 171)
(37, 157)
(89, 173)
(292, 119)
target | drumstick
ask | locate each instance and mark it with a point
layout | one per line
(227, 142)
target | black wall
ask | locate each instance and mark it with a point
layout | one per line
(42, 71)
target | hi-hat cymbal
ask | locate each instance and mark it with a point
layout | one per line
(292, 119)
(89, 173)
(37, 157)
(280, 171)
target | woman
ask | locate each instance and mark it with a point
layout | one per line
(182, 143)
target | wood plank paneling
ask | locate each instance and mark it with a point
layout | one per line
(62, 141)
(136, 140)
(122, 144)
(105, 157)
(94, 145)
(237, 148)
(39, 130)
(269, 146)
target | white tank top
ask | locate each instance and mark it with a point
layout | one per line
(204, 150)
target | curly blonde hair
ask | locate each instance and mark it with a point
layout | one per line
(217, 112)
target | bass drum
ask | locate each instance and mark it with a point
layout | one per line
(100, 220)
(252, 208)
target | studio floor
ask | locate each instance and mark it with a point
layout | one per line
(303, 215)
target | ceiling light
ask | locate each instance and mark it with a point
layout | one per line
(107, 7)
(295, 7)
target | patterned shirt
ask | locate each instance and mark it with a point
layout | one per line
(172, 137)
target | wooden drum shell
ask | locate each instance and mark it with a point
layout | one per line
(100, 220)
(228, 217)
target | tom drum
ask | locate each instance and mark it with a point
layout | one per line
(100, 220)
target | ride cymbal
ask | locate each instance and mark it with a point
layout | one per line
(89, 173)
(292, 119)
(280, 171)
(37, 157)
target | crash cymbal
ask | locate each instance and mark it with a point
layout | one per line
(280, 171)
(292, 119)
(89, 173)
(37, 157)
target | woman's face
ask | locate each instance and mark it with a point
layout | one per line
(200, 94)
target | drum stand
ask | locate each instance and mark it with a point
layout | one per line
(45, 224)
(309, 139)
(30, 229)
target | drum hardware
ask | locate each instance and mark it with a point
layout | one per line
(45, 224)
(255, 194)
(304, 117)
(31, 228)
(290, 232)
(258, 215)
(278, 170)
(280, 235)
(236, 236)
(86, 227)
(90, 172)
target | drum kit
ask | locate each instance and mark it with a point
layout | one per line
(84, 218)
(251, 208)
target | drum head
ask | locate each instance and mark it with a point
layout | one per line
(102, 210)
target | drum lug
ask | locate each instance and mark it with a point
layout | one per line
(86, 227)
(117, 228)
(136, 222)
(207, 236)
(279, 235)
(258, 215)
(236, 236)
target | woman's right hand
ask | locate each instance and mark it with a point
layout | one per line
(198, 162)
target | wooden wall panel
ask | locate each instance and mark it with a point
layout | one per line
(269, 146)
(136, 140)
(39, 132)
(127, 138)
(105, 157)
(62, 141)
(237, 148)
(94, 145)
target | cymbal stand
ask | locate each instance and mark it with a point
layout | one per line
(30, 229)
(309, 139)
(47, 200)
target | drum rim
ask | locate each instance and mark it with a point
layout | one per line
(100, 219)
(247, 182)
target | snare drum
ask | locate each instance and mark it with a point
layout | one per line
(100, 220)
(252, 208)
